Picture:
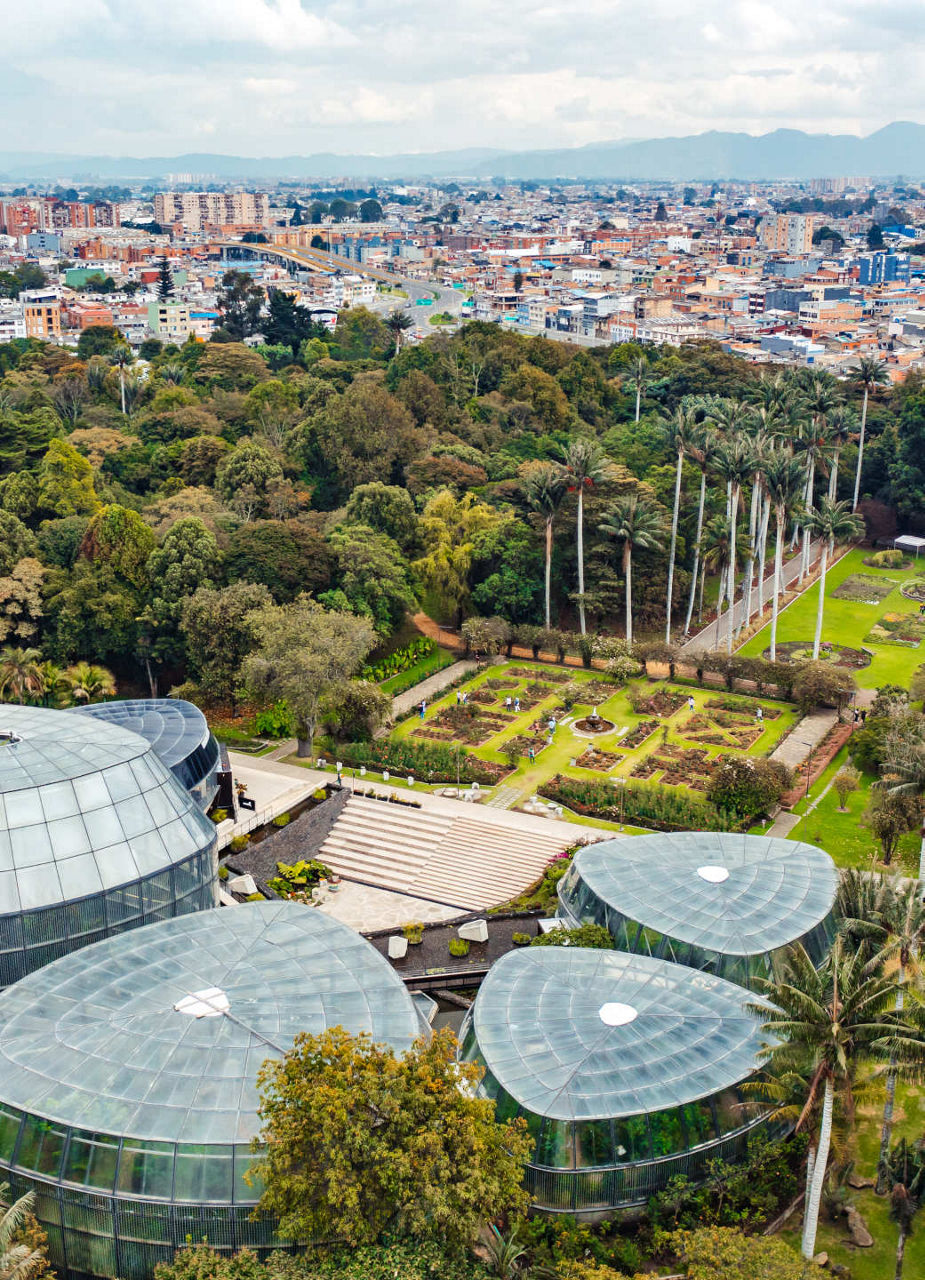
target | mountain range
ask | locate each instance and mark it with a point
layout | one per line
(898, 148)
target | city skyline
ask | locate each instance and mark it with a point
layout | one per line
(276, 77)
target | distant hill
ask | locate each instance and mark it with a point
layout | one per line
(786, 153)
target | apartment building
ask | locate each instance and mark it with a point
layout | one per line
(24, 216)
(12, 320)
(170, 321)
(42, 314)
(200, 209)
(790, 233)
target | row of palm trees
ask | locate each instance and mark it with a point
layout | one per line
(766, 455)
(25, 677)
(830, 1031)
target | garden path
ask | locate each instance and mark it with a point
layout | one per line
(436, 683)
(804, 737)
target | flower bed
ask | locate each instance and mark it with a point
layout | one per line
(904, 629)
(638, 735)
(499, 682)
(838, 654)
(914, 589)
(863, 587)
(424, 761)
(523, 742)
(603, 761)
(817, 763)
(662, 702)
(400, 660)
(746, 706)
(552, 677)
(659, 808)
(591, 692)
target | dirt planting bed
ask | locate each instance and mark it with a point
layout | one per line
(737, 706)
(638, 735)
(523, 742)
(595, 759)
(660, 703)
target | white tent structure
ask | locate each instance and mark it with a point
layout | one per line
(909, 543)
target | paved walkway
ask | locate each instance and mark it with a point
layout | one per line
(804, 737)
(432, 685)
(784, 823)
(709, 638)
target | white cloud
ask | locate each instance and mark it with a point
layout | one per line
(277, 76)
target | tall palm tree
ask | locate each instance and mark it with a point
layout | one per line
(51, 675)
(683, 433)
(734, 464)
(121, 356)
(842, 424)
(869, 372)
(703, 451)
(832, 1020)
(18, 1261)
(905, 1176)
(87, 682)
(903, 921)
(397, 324)
(639, 524)
(20, 673)
(821, 397)
(715, 558)
(639, 374)
(832, 522)
(585, 465)
(544, 488)
(783, 476)
(903, 765)
(760, 447)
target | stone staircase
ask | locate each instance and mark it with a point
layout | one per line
(466, 861)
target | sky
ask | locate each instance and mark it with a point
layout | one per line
(278, 77)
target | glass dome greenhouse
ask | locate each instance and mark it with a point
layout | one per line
(725, 903)
(96, 836)
(128, 1095)
(626, 1069)
(179, 734)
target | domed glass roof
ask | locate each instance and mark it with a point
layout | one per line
(734, 894)
(177, 731)
(580, 1034)
(85, 807)
(159, 1033)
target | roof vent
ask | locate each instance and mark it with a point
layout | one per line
(208, 1003)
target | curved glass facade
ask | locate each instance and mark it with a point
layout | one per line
(626, 1069)
(725, 903)
(128, 1094)
(96, 837)
(179, 734)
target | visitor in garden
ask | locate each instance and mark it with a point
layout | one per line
(857, 716)
(759, 715)
(551, 725)
(531, 753)
(507, 703)
(458, 696)
(690, 703)
(517, 704)
(423, 707)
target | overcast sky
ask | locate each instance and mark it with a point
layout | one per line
(276, 77)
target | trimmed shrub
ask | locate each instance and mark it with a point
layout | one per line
(459, 946)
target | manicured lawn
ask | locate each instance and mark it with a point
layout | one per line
(425, 667)
(568, 744)
(847, 622)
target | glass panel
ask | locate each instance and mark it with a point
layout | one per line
(42, 1146)
(665, 1127)
(92, 1159)
(9, 1131)
(730, 1112)
(631, 1139)
(555, 1145)
(146, 1169)
(594, 1145)
(203, 1173)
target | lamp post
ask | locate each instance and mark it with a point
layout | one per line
(809, 763)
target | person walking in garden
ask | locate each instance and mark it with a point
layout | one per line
(551, 726)
(517, 705)
(690, 704)
(531, 753)
(759, 715)
(458, 697)
(423, 707)
(507, 703)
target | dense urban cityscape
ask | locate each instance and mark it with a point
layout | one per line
(462, 738)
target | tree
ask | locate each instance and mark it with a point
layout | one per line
(16, 541)
(187, 559)
(243, 478)
(356, 1137)
(902, 753)
(846, 782)
(875, 236)
(783, 478)
(98, 340)
(356, 709)
(832, 1020)
(304, 652)
(585, 465)
(639, 524)
(544, 486)
(20, 674)
(869, 373)
(164, 279)
(91, 609)
(890, 815)
(388, 508)
(748, 787)
(87, 682)
(518, 281)
(639, 375)
(121, 357)
(21, 604)
(289, 324)
(448, 527)
(66, 482)
(683, 434)
(240, 301)
(832, 522)
(370, 211)
(21, 1257)
(219, 627)
(119, 537)
(661, 213)
(905, 1176)
(372, 575)
(822, 684)
(398, 323)
(724, 1253)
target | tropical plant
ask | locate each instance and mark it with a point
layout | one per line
(703, 452)
(902, 757)
(783, 477)
(829, 1021)
(585, 465)
(832, 522)
(20, 673)
(121, 356)
(639, 376)
(683, 434)
(869, 373)
(905, 1177)
(639, 524)
(19, 1259)
(398, 323)
(87, 682)
(544, 486)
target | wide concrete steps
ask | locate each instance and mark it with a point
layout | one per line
(461, 861)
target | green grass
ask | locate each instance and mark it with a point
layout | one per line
(847, 622)
(567, 746)
(424, 667)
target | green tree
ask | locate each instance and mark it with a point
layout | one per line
(905, 1169)
(119, 537)
(98, 340)
(372, 573)
(66, 482)
(398, 324)
(356, 1137)
(240, 301)
(724, 1253)
(370, 211)
(355, 710)
(289, 324)
(20, 673)
(748, 787)
(902, 763)
(875, 236)
(448, 528)
(639, 524)
(585, 465)
(220, 630)
(92, 609)
(288, 556)
(243, 477)
(386, 508)
(544, 487)
(889, 816)
(87, 682)
(684, 434)
(304, 652)
(833, 1019)
(831, 522)
(164, 280)
(24, 437)
(187, 559)
(16, 541)
(869, 373)
(783, 477)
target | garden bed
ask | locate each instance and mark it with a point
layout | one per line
(864, 588)
(839, 655)
(636, 737)
(603, 761)
(656, 807)
(427, 763)
(523, 742)
(905, 629)
(743, 706)
(663, 702)
(914, 589)
(816, 763)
